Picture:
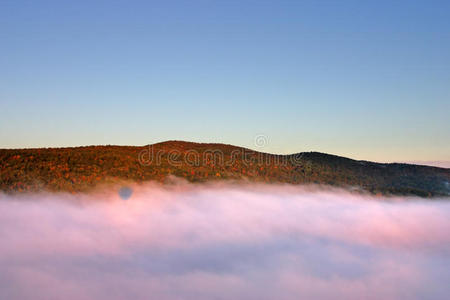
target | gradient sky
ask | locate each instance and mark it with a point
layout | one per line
(364, 79)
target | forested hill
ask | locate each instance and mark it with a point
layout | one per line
(80, 169)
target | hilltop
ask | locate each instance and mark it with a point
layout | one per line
(79, 169)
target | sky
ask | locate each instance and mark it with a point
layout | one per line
(363, 79)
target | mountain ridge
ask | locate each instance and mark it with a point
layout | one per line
(79, 169)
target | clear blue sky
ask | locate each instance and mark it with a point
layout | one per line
(365, 79)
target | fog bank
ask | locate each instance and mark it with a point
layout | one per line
(223, 242)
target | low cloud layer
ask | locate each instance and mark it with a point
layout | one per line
(223, 242)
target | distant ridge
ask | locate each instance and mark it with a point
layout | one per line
(80, 169)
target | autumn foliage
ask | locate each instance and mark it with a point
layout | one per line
(83, 168)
